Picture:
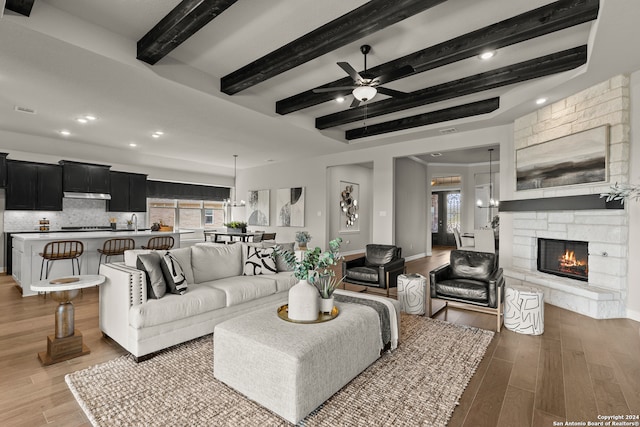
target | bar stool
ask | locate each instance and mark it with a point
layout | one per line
(61, 249)
(159, 243)
(114, 247)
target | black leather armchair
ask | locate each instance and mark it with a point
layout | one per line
(379, 268)
(472, 280)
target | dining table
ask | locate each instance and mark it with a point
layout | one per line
(216, 236)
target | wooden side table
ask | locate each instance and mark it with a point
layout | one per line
(66, 343)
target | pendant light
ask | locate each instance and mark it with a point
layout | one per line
(493, 203)
(234, 203)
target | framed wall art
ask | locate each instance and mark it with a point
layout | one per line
(578, 158)
(290, 207)
(258, 208)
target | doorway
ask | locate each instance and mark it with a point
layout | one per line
(445, 216)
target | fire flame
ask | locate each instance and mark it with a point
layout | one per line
(568, 261)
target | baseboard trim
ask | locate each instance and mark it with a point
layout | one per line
(416, 256)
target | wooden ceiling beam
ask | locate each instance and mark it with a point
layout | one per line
(538, 22)
(439, 116)
(186, 19)
(361, 22)
(523, 71)
(23, 7)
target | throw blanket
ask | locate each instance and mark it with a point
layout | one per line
(383, 314)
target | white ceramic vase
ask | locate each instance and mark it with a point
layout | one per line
(326, 304)
(304, 304)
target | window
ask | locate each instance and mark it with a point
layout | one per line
(213, 214)
(189, 214)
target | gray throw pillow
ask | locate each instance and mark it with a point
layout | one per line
(150, 264)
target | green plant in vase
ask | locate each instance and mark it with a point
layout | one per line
(314, 262)
(313, 268)
(236, 226)
(302, 238)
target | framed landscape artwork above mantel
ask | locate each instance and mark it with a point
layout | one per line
(579, 158)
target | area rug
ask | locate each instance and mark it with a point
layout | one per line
(418, 384)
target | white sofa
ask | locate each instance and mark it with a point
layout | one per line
(217, 291)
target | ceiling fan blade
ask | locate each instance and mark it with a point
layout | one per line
(355, 103)
(392, 92)
(333, 89)
(394, 75)
(351, 71)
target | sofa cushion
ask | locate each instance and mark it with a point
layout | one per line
(131, 257)
(363, 274)
(212, 262)
(173, 274)
(259, 261)
(240, 289)
(465, 289)
(151, 264)
(200, 299)
(471, 265)
(379, 254)
(284, 280)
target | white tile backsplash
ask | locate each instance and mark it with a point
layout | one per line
(76, 212)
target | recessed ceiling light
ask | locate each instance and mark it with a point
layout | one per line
(155, 135)
(90, 117)
(436, 154)
(81, 120)
(541, 101)
(159, 132)
(340, 99)
(133, 144)
(64, 132)
(487, 55)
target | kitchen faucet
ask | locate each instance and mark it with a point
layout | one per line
(134, 219)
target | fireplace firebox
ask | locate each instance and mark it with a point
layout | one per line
(566, 258)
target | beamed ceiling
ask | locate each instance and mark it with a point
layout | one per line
(238, 76)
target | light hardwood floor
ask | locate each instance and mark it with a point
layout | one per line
(579, 369)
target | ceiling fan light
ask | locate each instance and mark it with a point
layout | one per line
(364, 93)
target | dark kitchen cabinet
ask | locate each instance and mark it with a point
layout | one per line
(3, 170)
(128, 192)
(85, 177)
(33, 186)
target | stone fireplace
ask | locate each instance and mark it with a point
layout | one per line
(564, 258)
(592, 280)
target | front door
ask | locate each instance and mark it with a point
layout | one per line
(445, 216)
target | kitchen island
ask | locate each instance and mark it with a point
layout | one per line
(26, 249)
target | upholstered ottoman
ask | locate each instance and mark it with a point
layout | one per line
(524, 310)
(412, 293)
(293, 368)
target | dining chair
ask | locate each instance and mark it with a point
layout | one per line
(484, 240)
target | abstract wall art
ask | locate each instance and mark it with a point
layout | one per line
(290, 207)
(578, 158)
(258, 208)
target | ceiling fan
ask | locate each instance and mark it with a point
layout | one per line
(365, 86)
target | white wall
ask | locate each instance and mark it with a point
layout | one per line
(633, 282)
(313, 175)
(411, 207)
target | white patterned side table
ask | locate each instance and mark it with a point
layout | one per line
(412, 292)
(524, 310)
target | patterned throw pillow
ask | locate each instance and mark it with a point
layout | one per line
(173, 274)
(260, 261)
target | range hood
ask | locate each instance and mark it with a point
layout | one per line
(94, 196)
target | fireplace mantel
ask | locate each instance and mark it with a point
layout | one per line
(565, 203)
